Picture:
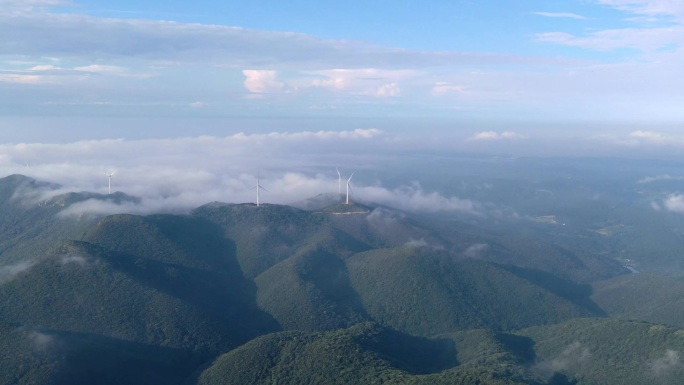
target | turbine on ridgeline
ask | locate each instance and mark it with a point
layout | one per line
(109, 177)
(348, 187)
(258, 187)
(339, 181)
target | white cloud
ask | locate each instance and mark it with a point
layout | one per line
(20, 78)
(74, 259)
(41, 341)
(672, 8)
(646, 140)
(442, 88)
(44, 67)
(643, 39)
(180, 174)
(653, 138)
(646, 39)
(97, 68)
(384, 217)
(417, 243)
(657, 178)
(571, 357)
(650, 136)
(367, 81)
(78, 36)
(32, 5)
(389, 90)
(476, 250)
(675, 203)
(564, 15)
(414, 198)
(493, 135)
(262, 81)
(9, 272)
(666, 364)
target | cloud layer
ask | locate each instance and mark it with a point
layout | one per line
(183, 173)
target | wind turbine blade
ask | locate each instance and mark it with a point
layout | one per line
(350, 176)
(338, 173)
(263, 189)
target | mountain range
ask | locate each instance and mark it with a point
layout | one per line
(333, 294)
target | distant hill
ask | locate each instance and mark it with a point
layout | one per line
(30, 220)
(427, 292)
(644, 296)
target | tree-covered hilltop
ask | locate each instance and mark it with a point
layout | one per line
(364, 354)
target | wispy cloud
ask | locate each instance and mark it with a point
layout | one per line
(648, 7)
(493, 135)
(642, 39)
(9, 272)
(476, 250)
(563, 15)
(570, 358)
(414, 198)
(658, 178)
(646, 39)
(664, 365)
(78, 36)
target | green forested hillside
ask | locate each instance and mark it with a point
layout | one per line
(263, 235)
(29, 222)
(84, 288)
(310, 291)
(363, 354)
(609, 351)
(235, 293)
(42, 356)
(647, 297)
(427, 292)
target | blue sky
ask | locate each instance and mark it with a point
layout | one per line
(595, 61)
(214, 91)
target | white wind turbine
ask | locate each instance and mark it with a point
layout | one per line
(258, 187)
(109, 177)
(348, 188)
(339, 181)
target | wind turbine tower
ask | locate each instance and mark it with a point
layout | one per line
(109, 177)
(258, 187)
(339, 181)
(348, 188)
